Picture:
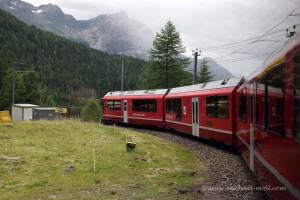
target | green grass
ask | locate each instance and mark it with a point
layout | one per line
(50, 149)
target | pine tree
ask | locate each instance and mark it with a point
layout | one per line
(6, 90)
(205, 75)
(165, 68)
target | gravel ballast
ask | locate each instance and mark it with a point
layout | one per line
(228, 175)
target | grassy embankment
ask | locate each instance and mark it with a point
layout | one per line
(54, 160)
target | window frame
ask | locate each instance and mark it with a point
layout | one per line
(144, 105)
(243, 105)
(116, 104)
(296, 100)
(172, 107)
(271, 110)
(214, 105)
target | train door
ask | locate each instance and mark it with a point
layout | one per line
(195, 116)
(125, 111)
(251, 126)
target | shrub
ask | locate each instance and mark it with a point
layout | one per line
(91, 110)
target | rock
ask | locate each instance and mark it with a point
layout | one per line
(69, 169)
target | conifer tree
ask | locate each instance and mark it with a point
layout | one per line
(3, 66)
(165, 68)
(204, 74)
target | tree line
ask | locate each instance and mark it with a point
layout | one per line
(51, 70)
(56, 71)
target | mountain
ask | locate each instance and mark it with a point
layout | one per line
(217, 70)
(117, 34)
(113, 33)
(54, 71)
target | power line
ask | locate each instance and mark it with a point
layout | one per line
(242, 41)
(243, 58)
(258, 38)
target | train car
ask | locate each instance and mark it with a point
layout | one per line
(203, 110)
(141, 107)
(268, 122)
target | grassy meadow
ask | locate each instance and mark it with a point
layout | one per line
(55, 160)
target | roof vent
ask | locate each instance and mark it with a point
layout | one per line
(225, 81)
(203, 85)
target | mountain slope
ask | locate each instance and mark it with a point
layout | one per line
(115, 33)
(65, 72)
(217, 70)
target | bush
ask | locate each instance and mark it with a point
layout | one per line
(91, 111)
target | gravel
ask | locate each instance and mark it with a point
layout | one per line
(228, 175)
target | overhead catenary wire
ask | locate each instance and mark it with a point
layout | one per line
(240, 43)
(228, 61)
(243, 58)
(275, 34)
(261, 36)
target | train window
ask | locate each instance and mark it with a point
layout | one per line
(270, 101)
(222, 107)
(144, 105)
(296, 107)
(260, 102)
(125, 106)
(217, 107)
(173, 106)
(210, 107)
(113, 105)
(275, 90)
(243, 105)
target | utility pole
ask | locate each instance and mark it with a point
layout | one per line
(122, 78)
(14, 80)
(195, 54)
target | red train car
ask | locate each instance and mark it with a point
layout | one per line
(203, 110)
(268, 122)
(142, 107)
(260, 116)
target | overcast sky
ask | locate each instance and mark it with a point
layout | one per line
(205, 23)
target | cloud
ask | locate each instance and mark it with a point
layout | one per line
(201, 23)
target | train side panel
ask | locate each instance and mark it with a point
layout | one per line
(112, 110)
(268, 130)
(146, 110)
(204, 110)
(141, 107)
(216, 120)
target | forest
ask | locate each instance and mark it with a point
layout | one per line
(51, 70)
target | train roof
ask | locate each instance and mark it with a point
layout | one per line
(231, 82)
(137, 92)
(277, 56)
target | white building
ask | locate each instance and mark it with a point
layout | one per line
(22, 112)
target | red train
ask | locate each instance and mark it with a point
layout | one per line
(260, 116)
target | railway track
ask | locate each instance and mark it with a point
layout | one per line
(228, 175)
